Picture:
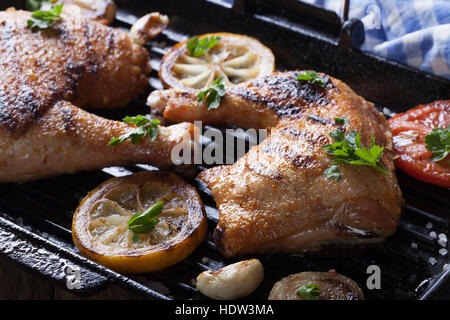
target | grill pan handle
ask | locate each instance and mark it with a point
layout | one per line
(347, 33)
(63, 267)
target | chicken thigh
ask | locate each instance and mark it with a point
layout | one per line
(45, 74)
(277, 197)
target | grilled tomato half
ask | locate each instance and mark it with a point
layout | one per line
(316, 286)
(143, 222)
(197, 62)
(420, 141)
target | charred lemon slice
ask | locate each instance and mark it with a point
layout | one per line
(101, 224)
(236, 57)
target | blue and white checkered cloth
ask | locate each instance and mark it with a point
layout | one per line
(412, 32)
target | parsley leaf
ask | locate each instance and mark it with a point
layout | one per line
(309, 291)
(138, 120)
(347, 150)
(44, 19)
(198, 47)
(33, 5)
(145, 221)
(213, 94)
(438, 142)
(340, 120)
(145, 126)
(313, 77)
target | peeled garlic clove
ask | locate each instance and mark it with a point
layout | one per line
(148, 27)
(233, 281)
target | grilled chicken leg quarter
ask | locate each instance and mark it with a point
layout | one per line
(43, 72)
(277, 197)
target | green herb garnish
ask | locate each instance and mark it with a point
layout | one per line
(213, 94)
(347, 149)
(145, 221)
(341, 120)
(198, 47)
(44, 19)
(438, 142)
(33, 5)
(309, 291)
(312, 77)
(145, 126)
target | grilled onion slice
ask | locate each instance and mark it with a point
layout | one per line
(237, 58)
(100, 223)
(332, 285)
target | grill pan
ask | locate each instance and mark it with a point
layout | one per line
(35, 218)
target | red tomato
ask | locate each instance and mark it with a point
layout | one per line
(409, 130)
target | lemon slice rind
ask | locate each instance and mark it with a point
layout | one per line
(100, 223)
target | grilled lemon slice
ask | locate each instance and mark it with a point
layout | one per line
(237, 58)
(100, 223)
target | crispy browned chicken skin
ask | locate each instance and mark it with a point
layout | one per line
(44, 72)
(77, 60)
(277, 197)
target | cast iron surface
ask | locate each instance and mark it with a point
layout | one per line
(35, 218)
